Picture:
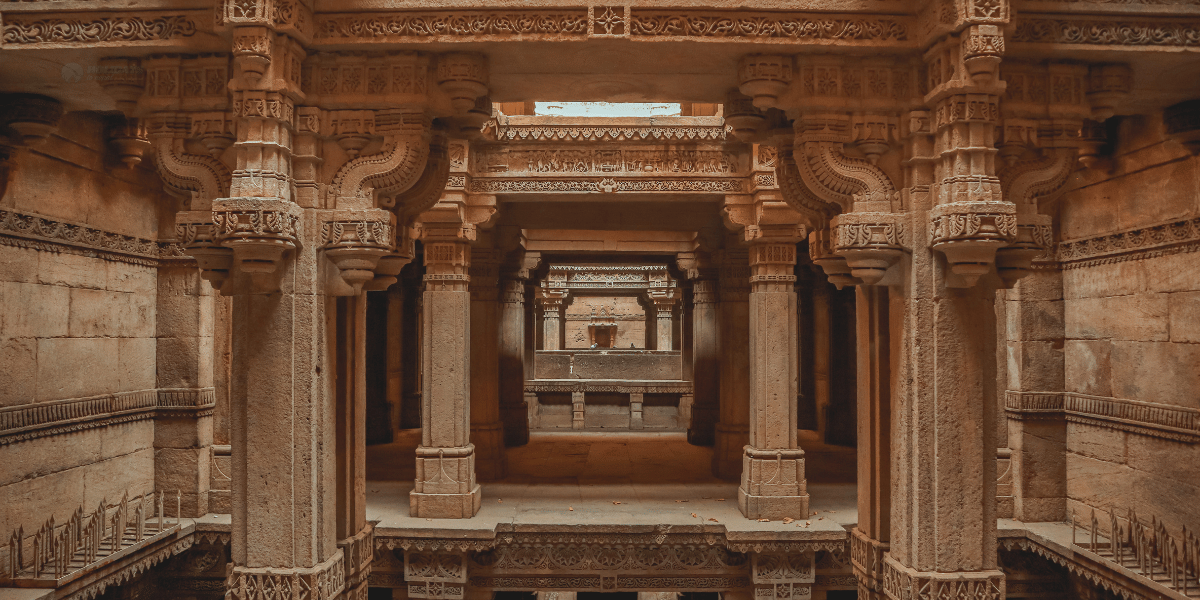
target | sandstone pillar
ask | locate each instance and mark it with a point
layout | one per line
(487, 433)
(732, 431)
(445, 485)
(514, 411)
(552, 302)
(354, 534)
(869, 540)
(395, 356)
(773, 484)
(706, 347)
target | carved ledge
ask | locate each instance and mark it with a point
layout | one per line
(903, 583)
(260, 231)
(970, 233)
(866, 556)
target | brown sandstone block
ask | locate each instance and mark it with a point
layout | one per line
(1087, 367)
(1142, 317)
(1035, 320)
(19, 264)
(32, 501)
(32, 310)
(1101, 443)
(77, 367)
(184, 469)
(1040, 285)
(1169, 459)
(134, 279)
(1163, 372)
(112, 478)
(183, 432)
(1042, 464)
(1035, 366)
(1184, 309)
(180, 362)
(1173, 273)
(18, 377)
(137, 363)
(178, 316)
(72, 271)
(1114, 279)
(126, 438)
(44, 456)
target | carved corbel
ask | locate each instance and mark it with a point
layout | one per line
(764, 77)
(747, 121)
(1108, 86)
(259, 231)
(25, 120)
(463, 76)
(867, 233)
(200, 178)
(1182, 124)
(457, 218)
(1025, 184)
(359, 187)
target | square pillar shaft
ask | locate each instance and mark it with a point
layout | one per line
(513, 408)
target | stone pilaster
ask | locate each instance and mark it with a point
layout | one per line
(664, 302)
(436, 575)
(869, 540)
(732, 431)
(487, 432)
(514, 411)
(445, 484)
(773, 484)
(706, 346)
(578, 410)
(552, 304)
(635, 411)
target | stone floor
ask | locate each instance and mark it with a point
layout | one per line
(613, 478)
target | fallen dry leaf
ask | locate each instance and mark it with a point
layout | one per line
(807, 523)
(570, 508)
(820, 518)
(694, 516)
(787, 520)
(499, 500)
(616, 501)
(764, 520)
(713, 520)
(720, 499)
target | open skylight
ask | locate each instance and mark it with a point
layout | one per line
(606, 109)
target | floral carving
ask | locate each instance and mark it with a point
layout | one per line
(22, 29)
(649, 23)
(607, 185)
(453, 24)
(1115, 33)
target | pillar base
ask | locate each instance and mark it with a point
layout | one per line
(490, 460)
(866, 557)
(903, 583)
(773, 484)
(445, 506)
(322, 582)
(445, 486)
(516, 424)
(729, 444)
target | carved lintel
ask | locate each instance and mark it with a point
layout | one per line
(436, 575)
(322, 582)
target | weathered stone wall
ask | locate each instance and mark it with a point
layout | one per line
(629, 314)
(1132, 332)
(77, 323)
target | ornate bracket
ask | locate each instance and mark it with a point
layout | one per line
(27, 120)
(1025, 184)
(394, 169)
(355, 241)
(867, 234)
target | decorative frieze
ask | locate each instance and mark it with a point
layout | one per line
(30, 29)
(1145, 418)
(1113, 32)
(866, 556)
(1135, 244)
(400, 26)
(588, 160)
(783, 576)
(607, 185)
(504, 129)
(633, 387)
(42, 419)
(903, 583)
(766, 26)
(436, 575)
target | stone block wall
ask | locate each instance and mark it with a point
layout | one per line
(81, 332)
(1131, 330)
(626, 311)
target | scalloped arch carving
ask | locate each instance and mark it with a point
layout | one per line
(797, 194)
(393, 170)
(1041, 178)
(834, 177)
(205, 177)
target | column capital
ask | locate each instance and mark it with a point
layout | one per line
(447, 265)
(324, 581)
(772, 266)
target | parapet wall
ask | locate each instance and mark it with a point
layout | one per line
(609, 364)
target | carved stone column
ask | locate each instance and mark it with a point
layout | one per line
(514, 412)
(445, 485)
(773, 484)
(487, 432)
(706, 346)
(869, 540)
(552, 310)
(664, 302)
(732, 432)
